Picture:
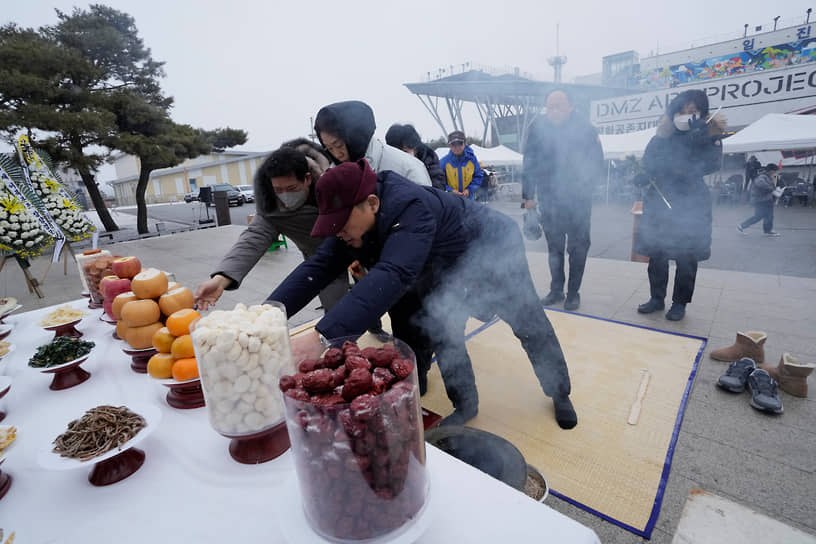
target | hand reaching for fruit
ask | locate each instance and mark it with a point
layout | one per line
(210, 291)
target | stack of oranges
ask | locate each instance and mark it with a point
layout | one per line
(175, 358)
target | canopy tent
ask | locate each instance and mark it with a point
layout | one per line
(620, 146)
(774, 132)
(491, 156)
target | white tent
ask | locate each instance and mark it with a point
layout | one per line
(774, 132)
(620, 146)
(491, 156)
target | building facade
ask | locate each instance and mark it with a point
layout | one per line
(171, 184)
(745, 78)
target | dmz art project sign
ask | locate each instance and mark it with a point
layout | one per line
(743, 98)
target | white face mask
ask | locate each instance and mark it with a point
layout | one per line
(681, 120)
(292, 200)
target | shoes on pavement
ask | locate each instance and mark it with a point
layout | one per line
(573, 302)
(764, 395)
(651, 306)
(676, 312)
(791, 375)
(772, 234)
(741, 229)
(736, 376)
(552, 297)
(748, 344)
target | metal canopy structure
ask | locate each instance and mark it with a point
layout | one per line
(507, 104)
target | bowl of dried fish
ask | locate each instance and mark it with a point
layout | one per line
(104, 437)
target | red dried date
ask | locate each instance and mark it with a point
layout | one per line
(339, 375)
(333, 358)
(286, 383)
(401, 368)
(318, 381)
(327, 399)
(357, 383)
(299, 380)
(384, 374)
(354, 428)
(364, 407)
(368, 353)
(298, 394)
(350, 348)
(354, 362)
(307, 365)
(382, 358)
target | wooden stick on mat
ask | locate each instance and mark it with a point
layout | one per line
(634, 413)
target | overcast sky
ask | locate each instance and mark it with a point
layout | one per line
(267, 67)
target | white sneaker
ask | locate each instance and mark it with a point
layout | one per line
(773, 233)
(739, 228)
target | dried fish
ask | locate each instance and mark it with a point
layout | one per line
(98, 431)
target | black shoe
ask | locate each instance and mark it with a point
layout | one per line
(676, 312)
(764, 394)
(461, 415)
(736, 376)
(653, 305)
(573, 302)
(564, 412)
(552, 297)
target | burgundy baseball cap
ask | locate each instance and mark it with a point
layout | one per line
(338, 190)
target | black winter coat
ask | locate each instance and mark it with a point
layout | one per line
(431, 161)
(677, 164)
(562, 165)
(419, 233)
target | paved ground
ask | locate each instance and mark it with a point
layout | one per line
(725, 447)
(792, 254)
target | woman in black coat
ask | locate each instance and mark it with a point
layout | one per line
(676, 221)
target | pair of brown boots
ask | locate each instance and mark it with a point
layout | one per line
(790, 374)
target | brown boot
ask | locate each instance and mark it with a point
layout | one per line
(791, 375)
(749, 344)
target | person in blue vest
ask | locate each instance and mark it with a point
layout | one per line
(428, 245)
(461, 167)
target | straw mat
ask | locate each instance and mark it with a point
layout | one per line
(604, 465)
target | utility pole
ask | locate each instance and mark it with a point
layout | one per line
(312, 135)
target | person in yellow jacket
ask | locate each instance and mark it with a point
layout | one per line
(461, 167)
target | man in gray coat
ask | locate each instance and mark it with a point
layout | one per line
(285, 204)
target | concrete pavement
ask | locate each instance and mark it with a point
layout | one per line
(725, 446)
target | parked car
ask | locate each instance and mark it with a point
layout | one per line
(247, 191)
(191, 197)
(233, 194)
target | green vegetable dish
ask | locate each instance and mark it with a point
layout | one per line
(62, 350)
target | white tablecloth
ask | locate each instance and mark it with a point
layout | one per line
(189, 488)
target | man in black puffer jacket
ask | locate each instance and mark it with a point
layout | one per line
(438, 246)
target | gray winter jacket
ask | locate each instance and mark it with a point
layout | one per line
(270, 222)
(762, 188)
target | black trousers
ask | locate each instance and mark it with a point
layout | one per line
(763, 211)
(568, 234)
(684, 278)
(506, 289)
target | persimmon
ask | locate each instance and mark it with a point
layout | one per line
(179, 322)
(162, 340)
(182, 347)
(161, 366)
(185, 369)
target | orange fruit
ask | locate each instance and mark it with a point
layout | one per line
(185, 369)
(179, 322)
(182, 347)
(162, 340)
(161, 366)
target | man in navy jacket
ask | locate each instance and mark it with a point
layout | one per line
(438, 246)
